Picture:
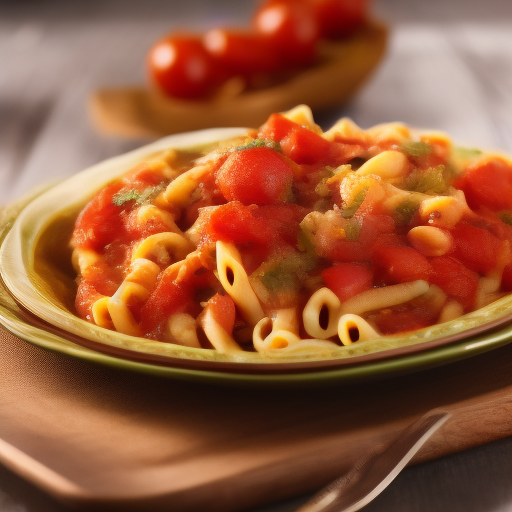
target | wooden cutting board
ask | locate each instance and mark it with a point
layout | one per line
(89, 434)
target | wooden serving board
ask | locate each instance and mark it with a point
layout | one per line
(89, 434)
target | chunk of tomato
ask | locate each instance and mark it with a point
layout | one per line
(276, 127)
(476, 248)
(223, 311)
(304, 146)
(283, 219)
(506, 282)
(488, 184)
(99, 223)
(402, 264)
(255, 176)
(457, 281)
(237, 223)
(347, 279)
(168, 298)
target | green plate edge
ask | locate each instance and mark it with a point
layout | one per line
(13, 320)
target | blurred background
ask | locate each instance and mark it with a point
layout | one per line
(448, 67)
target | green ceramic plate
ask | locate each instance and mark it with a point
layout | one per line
(36, 303)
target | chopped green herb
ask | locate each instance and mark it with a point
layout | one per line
(124, 197)
(352, 208)
(404, 213)
(304, 243)
(286, 272)
(352, 231)
(280, 277)
(144, 197)
(260, 143)
(429, 181)
(506, 217)
(416, 148)
(466, 153)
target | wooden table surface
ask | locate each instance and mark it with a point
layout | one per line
(449, 67)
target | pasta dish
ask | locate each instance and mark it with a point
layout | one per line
(294, 239)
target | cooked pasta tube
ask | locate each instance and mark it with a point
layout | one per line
(451, 310)
(430, 241)
(387, 165)
(444, 211)
(120, 313)
(487, 290)
(346, 129)
(148, 212)
(384, 297)
(83, 258)
(100, 313)
(275, 340)
(163, 248)
(302, 114)
(286, 319)
(181, 329)
(143, 272)
(321, 313)
(352, 328)
(216, 334)
(179, 191)
(397, 132)
(235, 281)
(283, 342)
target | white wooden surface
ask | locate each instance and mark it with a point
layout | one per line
(449, 67)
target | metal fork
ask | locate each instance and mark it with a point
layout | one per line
(374, 472)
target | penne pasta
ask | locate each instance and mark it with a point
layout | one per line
(290, 240)
(234, 280)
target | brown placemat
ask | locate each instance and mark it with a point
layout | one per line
(91, 434)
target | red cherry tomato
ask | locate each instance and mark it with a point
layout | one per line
(181, 67)
(292, 29)
(255, 175)
(241, 52)
(339, 18)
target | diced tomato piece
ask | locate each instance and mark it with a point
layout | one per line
(359, 250)
(304, 146)
(237, 223)
(488, 184)
(167, 299)
(283, 219)
(255, 176)
(103, 278)
(403, 320)
(99, 223)
(347, 280)
(86, 296)
(506, 281)
(138, 230)
(277, 127)
(476, 248)
(402, 264)
(148, 174)
(457, 281)
(223, 311)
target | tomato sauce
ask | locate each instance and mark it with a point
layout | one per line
(302, 217)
